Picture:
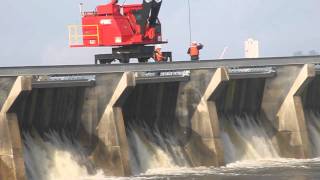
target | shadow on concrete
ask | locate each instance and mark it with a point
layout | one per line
(311, 108)
(152, 105)
(56, 109)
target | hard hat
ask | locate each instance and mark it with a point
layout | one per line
(194, 43)
(158, 46)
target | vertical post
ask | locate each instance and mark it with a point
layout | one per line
(293, 137)
(205, 126)
(11, 149)
(112, 153)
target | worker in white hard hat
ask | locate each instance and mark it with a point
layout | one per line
(158, 55)
(194, 50)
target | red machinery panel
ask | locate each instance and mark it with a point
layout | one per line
(115, 25)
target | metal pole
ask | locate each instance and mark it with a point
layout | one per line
(190, 24)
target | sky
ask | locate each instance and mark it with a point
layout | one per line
(34, 32)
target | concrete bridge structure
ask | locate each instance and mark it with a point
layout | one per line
(96, 105)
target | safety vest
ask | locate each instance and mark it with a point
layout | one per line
(194, 51)
(158, 55)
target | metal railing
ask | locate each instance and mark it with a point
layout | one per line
(76, 35)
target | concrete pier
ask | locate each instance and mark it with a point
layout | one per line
(11, 149)
(291, 121)
(98, 108)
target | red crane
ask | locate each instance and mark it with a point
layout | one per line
(132, 30)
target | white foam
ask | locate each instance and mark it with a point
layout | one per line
(57, 158)
(237, 168)
(148, 156)
(313, 125)
(245, 139)
(246, 143)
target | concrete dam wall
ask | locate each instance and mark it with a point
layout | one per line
(124, 123)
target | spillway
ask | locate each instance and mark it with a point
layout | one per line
(55, 157)
(245, 132)
(151, 127)
(115, 123)
(52, 133)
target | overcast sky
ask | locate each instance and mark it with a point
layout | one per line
(34, 32)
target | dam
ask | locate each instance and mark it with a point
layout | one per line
(121, 120)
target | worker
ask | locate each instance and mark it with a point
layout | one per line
(194, 50)
(158, 55)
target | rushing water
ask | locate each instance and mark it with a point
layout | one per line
(313, 126)
(151, 150)
(272, 169)
(250, 154)
(245, 138)
(54, 157)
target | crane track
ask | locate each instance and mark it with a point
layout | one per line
(117, 68)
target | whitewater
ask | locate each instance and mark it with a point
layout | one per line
(250, 154)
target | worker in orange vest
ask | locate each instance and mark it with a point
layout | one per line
(194, 50)
(158, 55)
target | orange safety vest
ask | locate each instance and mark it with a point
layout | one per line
(194, 51)
(158, 55)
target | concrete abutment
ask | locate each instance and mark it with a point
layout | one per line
(291, 122)
(11, 149)
(205, 146)
(297, 117)
(112, 151)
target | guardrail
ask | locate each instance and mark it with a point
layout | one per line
(76, 35)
